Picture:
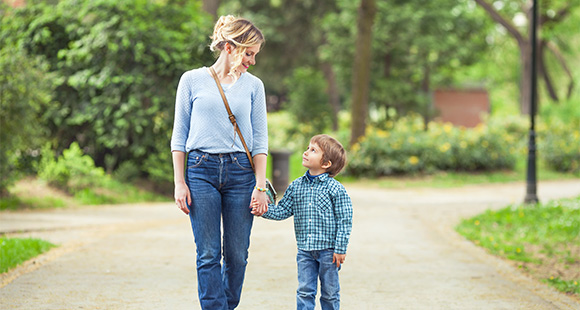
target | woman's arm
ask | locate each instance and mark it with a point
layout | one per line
(181, 194)
(260, 161)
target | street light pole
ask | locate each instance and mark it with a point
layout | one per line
(531, 197)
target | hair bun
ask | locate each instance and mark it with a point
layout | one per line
(222, 22)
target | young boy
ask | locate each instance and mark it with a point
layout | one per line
(322, 213)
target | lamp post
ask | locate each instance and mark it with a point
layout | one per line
(531, 197)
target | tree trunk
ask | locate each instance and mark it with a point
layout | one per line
(211, 7)
(526, 78)
(361, 70)
(332, 91)
(425, 88)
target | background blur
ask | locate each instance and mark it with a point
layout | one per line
(87, 88)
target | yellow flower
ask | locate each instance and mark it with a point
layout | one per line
(521, 214)
(552, 278)
(476, 223)
(382, 134)
(355, 147)
(518, 250)
(490, 238)
(445, 147)
(447, 127)
(411, 140)
(575, 282)
(413, 160)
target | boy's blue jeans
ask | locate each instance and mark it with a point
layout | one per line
(221, 187)
(311, 266)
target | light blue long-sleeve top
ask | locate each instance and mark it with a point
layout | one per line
(201, 119)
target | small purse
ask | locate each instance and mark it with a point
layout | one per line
(272, 195)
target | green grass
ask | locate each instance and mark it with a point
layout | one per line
(543, 240)
(15, 251)
(115, 192)
(16, 203)
(111, 192)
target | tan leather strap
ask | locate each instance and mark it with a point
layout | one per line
(231, 116)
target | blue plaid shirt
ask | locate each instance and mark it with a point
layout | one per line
(322, 213)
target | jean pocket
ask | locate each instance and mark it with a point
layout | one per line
(243, 162)
(195, 160)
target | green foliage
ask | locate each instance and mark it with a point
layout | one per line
(308, 101)
(559, 135)
(406, 147)
(18, 203)
(544, 234)
(570, 287)
(120, 62)
(73, 171)
(15, 251)
(417, 46)
(25, 90)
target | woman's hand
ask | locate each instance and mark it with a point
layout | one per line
(259, 203)
(182, 197)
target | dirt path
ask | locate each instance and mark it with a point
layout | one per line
(403, 254)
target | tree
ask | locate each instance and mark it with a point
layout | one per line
(120, 63)
(361, 69)
(293, 37)
(25, 89)
(554, 12)
(417, 46)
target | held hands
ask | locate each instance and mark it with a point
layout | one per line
(338, 259)
(259, 208)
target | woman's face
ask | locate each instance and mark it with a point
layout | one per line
(249, 58)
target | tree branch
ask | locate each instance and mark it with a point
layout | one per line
(560, 15)
(554, 49)
(544, 72)
(502, 21)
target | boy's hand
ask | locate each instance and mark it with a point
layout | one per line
(255, 207)
(338, 258)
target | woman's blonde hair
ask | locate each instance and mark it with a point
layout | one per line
(238, 32)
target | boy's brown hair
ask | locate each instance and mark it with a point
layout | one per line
(332, 151)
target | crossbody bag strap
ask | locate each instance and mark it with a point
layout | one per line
(231, 116)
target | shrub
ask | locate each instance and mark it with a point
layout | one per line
(559, 146)
(72, 171)
(559, 135)
(406, 147)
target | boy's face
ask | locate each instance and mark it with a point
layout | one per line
(312, 159)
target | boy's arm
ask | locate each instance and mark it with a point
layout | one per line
(343, 212)
(282, 210)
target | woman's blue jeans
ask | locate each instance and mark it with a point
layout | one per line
(221, 187)
(311, 266)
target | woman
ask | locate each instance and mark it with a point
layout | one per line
(219, 182)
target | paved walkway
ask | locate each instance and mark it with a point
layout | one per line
(403, 254)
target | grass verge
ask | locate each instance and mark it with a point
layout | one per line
(15, 251)
(32, 193)
(542, 240)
